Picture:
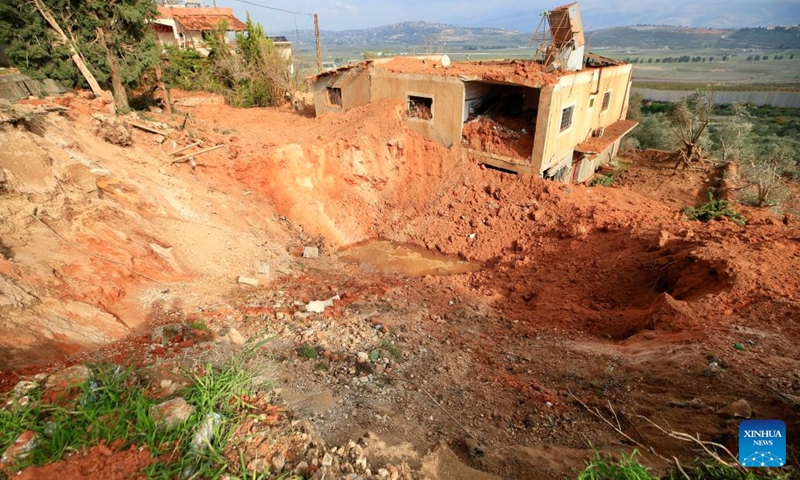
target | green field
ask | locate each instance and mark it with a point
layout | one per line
(735, 73)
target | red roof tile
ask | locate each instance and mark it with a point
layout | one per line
(202, 19)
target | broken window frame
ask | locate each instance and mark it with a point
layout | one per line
(606, 101)
(333, 96)
(567, 117)
(419, 103)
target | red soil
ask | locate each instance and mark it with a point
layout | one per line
(605, 293)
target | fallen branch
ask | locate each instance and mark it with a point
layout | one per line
(147, 129)
(75, 246)
(618, 428)
(183, 149)
(685, 437)
(186, 158)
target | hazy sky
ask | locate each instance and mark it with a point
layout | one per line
(515, 14)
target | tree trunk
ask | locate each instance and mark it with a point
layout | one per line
(76, 57)
(163, 86)
(120, 96)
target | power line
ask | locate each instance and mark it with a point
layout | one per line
(274, 8)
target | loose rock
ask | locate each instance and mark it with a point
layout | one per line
(738, 409)
(171, 413)
(18, 450)
(247, 281)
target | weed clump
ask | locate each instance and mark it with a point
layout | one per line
(307, 352)
(629, 468)
(712, 210)
(606, 180)
(112, 407)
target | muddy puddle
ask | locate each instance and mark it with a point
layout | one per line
(404, 259)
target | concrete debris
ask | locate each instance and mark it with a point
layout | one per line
(204, 434)
(311, 252)
(264, 269)
(170, 414)
(232, 337)
(318, 306)
(247, 281)
(24, 387)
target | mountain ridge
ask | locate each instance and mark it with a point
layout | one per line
(440, 36)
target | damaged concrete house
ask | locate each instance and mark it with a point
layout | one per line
(560, 116)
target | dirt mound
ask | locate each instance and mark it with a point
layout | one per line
(371, 172)
(506, 136)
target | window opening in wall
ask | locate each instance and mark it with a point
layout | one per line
(591, 102)
(420, 107)
(606, 100)
(566, 118)
(335, 96)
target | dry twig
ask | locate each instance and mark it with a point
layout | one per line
(186, 158)
(618, 428)
(685, 437)
(435, 402)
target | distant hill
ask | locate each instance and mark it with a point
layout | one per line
(440, 36)
(415, 34)
(656, 36)
(729, 14)
(659, 36)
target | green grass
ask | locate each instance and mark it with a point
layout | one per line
(111, 407)
(713, 209)
(606, 180)
(629, 468)
(307, 352)
(719, 87)
(392, 349)
(199, 325)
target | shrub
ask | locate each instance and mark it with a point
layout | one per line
(713, 209)
(606, 180)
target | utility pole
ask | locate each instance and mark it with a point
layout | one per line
(319, 43)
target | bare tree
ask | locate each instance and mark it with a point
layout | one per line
(689, 119)
(763, 169)
(730, 138)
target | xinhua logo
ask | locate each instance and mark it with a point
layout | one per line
(762, 443)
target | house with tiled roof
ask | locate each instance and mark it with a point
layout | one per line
(188, 27)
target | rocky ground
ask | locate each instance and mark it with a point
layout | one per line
(591, 303)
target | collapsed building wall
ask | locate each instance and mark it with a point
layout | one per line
(434, 104)
(341, 90)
